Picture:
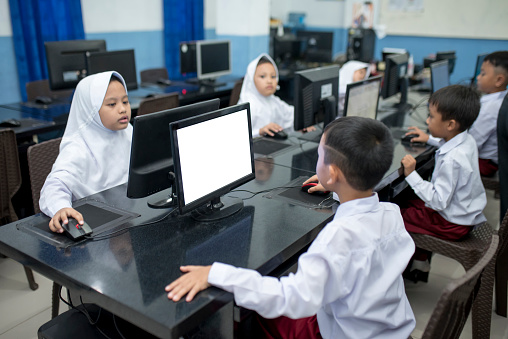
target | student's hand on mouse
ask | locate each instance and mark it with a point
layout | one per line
(316, 188)
(409, 164)
(194, 281)
(422, 136)
(55, 224)
(270, 129)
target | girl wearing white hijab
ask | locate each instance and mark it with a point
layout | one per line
(95, 148)
(269, 113)
(351, 71)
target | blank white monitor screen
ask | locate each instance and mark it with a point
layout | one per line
(362, 98)
(439, 75)
(213, 154)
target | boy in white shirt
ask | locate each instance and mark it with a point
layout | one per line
(491, 81)
(453, 201)
(350, 278)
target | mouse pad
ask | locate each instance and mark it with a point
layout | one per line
(292, 193)
(99, 216)
(265, 147)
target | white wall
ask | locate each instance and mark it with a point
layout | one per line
(319, 13)
(121, 15)
(485, 19)
(5, 19)
(210, 15)
(243, 17)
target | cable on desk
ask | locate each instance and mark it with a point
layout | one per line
(263, 191)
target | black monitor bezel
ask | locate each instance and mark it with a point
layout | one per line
(477, 69)
(331, 74)
(143, 135)
(350, 86)
(58, 55)
(131, 83)
(393, 61)
(438, 65)
(185, 208)
(450, 56)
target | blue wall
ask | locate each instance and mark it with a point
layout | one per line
(466, 51)
(9, 84)
(244, 49)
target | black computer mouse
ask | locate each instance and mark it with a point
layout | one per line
(10, 123)
(44, 100)
(281, 135)
(307, 186)
(409, 137)
(74, 231)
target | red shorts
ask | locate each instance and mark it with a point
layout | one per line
(420, 219)
(487, 167)
(286, 328)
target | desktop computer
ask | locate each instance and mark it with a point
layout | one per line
(361, 43)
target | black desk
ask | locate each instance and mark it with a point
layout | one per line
(127, 274)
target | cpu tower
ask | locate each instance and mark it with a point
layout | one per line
(361, 43)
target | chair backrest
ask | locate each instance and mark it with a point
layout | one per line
(41, 88)
(10, 175)
(502, 146)
(41, 158)
(454, 305)
(235, 93)
(158, 103)
(154, 74)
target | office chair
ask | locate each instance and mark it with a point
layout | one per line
(468, 251)
(38, 88)
(41, 158)
(454, 305)
(158, 103)
(502, 257)
(155, 76)
(10, 182)
(235, 92)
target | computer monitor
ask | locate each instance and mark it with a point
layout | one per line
(478, 66)
(188, 62)
(450, 57)
(316, 93)
(122, 61)
(362, 98)
(286, 49)
(66, 61)
(395, 79)
(387, 51)
(316, 46)
(212, 154)
(213, 59)
(151, 157)
(439, 76)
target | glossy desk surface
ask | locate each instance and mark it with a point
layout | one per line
(127, 274)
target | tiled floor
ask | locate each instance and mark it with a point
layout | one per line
(23, 311)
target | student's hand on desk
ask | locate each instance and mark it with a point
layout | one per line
(422, 136)
(269, 129)
(409, 164)
(316, 188)
(61, 217)
(308, 129)
(191, 283)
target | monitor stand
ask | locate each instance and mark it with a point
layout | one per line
(217, 209)
(403, 105)
(163, 200)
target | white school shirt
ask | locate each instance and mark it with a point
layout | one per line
(92, 158)
(484, 129)
(455, 191)
(264, 110)
(351, 276)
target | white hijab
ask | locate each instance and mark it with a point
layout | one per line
(264, 109)
(346, 77)
(92, 158)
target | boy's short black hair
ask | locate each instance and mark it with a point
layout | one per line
(460, 103)
(361, 147)
(498, 59)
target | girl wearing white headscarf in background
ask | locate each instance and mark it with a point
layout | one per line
(95, 148)
(351, 71)
(269, 113)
